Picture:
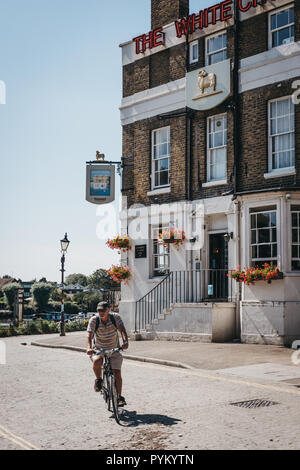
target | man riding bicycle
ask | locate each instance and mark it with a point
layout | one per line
(104, 328)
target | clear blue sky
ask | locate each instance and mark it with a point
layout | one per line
(61, 64)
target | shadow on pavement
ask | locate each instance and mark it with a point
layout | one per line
(132, 419)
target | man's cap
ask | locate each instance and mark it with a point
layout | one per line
(102, 306)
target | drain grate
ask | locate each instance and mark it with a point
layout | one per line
(259, 403)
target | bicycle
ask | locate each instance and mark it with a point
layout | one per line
(109, 386)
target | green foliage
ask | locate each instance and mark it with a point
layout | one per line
(71, 308)
(77, 326)
(88, 301)
(41, 292)
(41, 327)
(55, 306)
(100, 279)
(80, 279)
(56, 295)
(9, 291)
(29, 310)
(3, 303)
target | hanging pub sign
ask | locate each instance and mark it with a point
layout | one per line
(100, 182)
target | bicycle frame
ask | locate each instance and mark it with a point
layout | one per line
(109, 393)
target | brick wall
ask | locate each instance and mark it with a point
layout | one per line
(199, 156)
(253, 160)
(254, 32)
(253, 35)
(137, 137)
(160, 68)
(164, 12)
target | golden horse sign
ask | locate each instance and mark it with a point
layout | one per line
(208, 87)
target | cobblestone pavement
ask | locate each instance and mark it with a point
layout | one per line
(48, 402)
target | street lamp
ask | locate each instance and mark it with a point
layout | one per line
(64, 243)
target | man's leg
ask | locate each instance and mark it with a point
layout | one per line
(118, 376)
(97, 366)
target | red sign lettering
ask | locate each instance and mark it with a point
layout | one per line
(188, 25)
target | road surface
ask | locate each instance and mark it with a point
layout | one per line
(48, 402)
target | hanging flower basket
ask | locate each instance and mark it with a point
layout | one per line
(119, 274)
(119, 243)
(249, 276)
(172, 236)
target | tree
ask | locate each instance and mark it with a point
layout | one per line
(43, 280)
(100, 279)
(9, 291)
(88, 301)
(41, 292)
(56, 295)
(80, 279)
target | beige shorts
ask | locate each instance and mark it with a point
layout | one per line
(116, 360)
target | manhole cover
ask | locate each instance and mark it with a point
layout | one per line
(254, 403)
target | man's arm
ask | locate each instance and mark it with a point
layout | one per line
(124, 336)
(89, 343)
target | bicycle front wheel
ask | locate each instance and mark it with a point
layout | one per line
(114, 398)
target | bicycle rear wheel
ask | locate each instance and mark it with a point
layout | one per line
(114, 398)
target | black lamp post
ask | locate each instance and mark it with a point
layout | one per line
(64, 246)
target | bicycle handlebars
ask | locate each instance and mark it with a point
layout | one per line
(107, 351)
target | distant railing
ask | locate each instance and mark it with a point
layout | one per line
(208, 285)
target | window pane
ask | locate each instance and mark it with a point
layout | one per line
(263, 220)
(295, 236)
(295, 251)
(273, 22)
(296, 265)
(254, 252)
(264, 251)
(164, 178)
(253, 236)
(282, 18)
(283, 36)
(264, 236)
(164, 164)
(294, 220)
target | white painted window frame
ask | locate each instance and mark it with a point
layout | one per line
(257, 205)
(153, 255)
(191, 47)
(153, 160)
(207, 55)
(270, 31)
(209, 152)
(290, 238)
(285, 171)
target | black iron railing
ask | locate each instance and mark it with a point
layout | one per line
(208, 285)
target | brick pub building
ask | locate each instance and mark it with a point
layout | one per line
(210, 120)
